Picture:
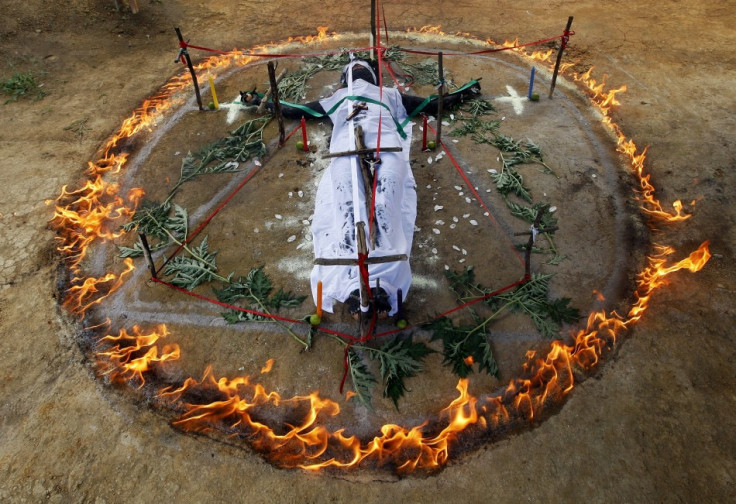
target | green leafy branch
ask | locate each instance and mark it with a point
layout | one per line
(257, 289)
(464, 346)
(243, 143)
(398, 358)
(531, 298)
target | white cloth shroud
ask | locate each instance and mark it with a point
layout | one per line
(341, 202)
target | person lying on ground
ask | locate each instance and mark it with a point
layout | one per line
(361, 108)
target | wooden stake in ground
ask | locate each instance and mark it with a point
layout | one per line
(183, 52)
(373, 29)
(147, 254)
(563, 44)
(440, 99)
(276, 103)
(267, 94)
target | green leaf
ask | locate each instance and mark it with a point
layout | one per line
(363, 380)
(284, 300)
(134, 251)
(399, 358)
(179, 223)
(461, 344)
(189, 166)
(190, 271)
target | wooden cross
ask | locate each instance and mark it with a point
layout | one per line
(348, 261)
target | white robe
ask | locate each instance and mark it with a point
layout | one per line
(341, 202)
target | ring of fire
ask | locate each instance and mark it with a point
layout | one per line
(86, 216)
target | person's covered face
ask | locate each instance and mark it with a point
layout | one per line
(358, 69)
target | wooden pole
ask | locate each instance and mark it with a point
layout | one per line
(147, 254)
(530, 243)
(440, 99)
(563, 44)
(276, 103)
(373, 29)
(189, 65)
(262, 106)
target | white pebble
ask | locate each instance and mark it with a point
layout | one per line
(305, 222)
(461, 261)
(446, 267)
(438, 207)
(300, 194)
(257, 162)
(552, 209)
(291, 194)
(460, 193)
(458, 188)
(281, 175)
(435, 231)
(455, 219)
(256, 230)
(473, 222)
(434, 251)
(485, 214)
(291, 239)
(278, 216)
(429, 186)
(468, 200)
(455, 140)
(429, 160)
(465, 216)
(455, 247)
(453, 226)
(440, 222)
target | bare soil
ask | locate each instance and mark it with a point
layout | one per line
(656, 424)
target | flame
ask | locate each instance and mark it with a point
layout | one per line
(132, 355)
(267, 368)
(91, 291)
(87, 214)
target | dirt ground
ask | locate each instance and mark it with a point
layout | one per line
(655, 425)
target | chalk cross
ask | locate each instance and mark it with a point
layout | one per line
(516, 101)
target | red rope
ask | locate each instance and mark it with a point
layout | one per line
(348, 337)
(208, 219)
(565, 37)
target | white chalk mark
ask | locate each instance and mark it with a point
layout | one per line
(516, 101)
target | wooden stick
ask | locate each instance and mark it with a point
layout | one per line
(347, 261)
(440, 99)
(147, 254)
(360, 151)
(530, 243)
(191, 69)
(262, 106)
(133, 6)
(373, 29)
(563, 43)
(276, 103)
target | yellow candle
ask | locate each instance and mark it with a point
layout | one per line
(214, 94)
(319, 298)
